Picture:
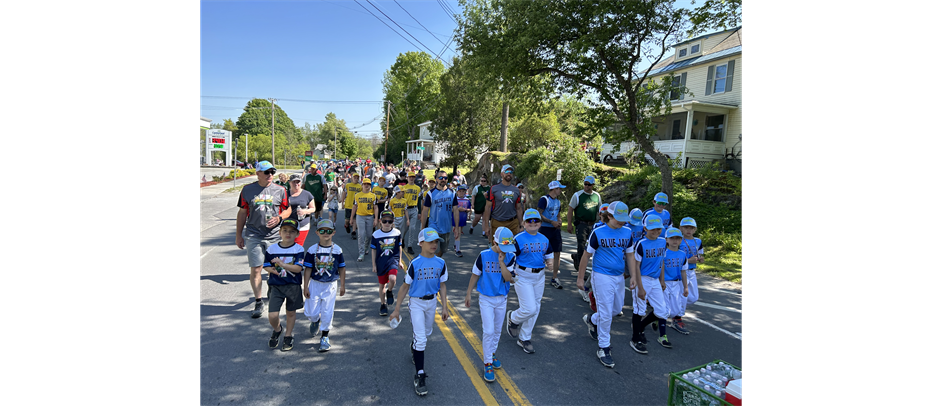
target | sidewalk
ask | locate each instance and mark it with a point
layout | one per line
(211, 191)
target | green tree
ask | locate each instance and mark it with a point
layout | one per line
(324, 134)
(596, 51)
(412, 85)
(256, 119)
(534, 131)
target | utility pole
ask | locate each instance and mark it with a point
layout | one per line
(386, 151)
(335, 142)
(272, 130)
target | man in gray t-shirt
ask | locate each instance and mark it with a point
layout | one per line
(503, 207)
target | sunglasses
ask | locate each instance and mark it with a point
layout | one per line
(660, 203)
(325, 231)
(589, 184)
(520, 187)
(387, 221)
(269, 172)
(533, 221)
(509, 171)
(443, 177)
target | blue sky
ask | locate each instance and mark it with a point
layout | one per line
(309, 50)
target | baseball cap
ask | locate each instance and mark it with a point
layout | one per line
(604, 207)
(661, 198)
(688, 221)
(520, 185)
(428, 234)
(325, 224)
(504, 238)
(673, 232)
(506, 167)
(290, 223)
(590, 179)
(411, 173)
(264, 166)
(294, 177)
(619, 210)
(462, 187)
(531, 214)
(396, 190)
(387, 213)
(653, 223)
(556, 185)
(366, 181)
(635, 216)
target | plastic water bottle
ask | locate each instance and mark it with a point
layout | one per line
(395, 322)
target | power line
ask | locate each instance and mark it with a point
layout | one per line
(358, 11)
(420, 23)
(384, 23)
(443, 5)
(298, 100)
(400, 27)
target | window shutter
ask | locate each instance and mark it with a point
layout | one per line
(729, 75)
(709, 89)
(683, 82)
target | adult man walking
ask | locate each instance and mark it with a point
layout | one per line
(315, 184)
(412, 210)
(438, 214)
(585, 205)
(503, 208)
(262, 207)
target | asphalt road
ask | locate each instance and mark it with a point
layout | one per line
(369, 363)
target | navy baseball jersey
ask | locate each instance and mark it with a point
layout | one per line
(293, 255)
(325, 262)
(387, 249)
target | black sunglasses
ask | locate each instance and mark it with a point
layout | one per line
(387, 221)
(270, 172)
(589, 184)
(531, 221)
(325, 231)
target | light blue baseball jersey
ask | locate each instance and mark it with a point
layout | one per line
(608, 247)
(637, 232)
(650, 254)
(692, 247)
(532, 250)
(487, 266)
(425, 276)
(675, 262)
(549, 208)
(598, 225)
(665, 219)
(440, 215)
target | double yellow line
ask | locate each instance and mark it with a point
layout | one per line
(472, 369)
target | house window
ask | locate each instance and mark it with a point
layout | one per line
(675, 131)
(714, 128)
(683, 52)
(675, 83)
(719, 82)
(694, 49)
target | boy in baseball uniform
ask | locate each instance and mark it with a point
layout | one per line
(424, 279)
(491, 275)
(647, 284)
(284, 262)
(386, 252)
(693, 247)
(461, 206)
(660, 210)
(323, 267)
(610, 246)
(675, 280)
(533, 254)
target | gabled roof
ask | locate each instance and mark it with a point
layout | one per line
(729, 46)
(707, 35)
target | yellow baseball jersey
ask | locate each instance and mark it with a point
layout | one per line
(380, 193)
(365, 201)
(411, 193)
(398, 206)
(350, 191)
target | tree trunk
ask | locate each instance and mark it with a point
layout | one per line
(667, 175)
(503, 127)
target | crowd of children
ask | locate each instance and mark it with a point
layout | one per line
(627, 247)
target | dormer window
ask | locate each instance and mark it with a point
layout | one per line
(694, 49)
(683, 52)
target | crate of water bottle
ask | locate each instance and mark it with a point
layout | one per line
(704, 385)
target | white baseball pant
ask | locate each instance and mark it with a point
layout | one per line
(653, 295)
(609, 292)
(422, 313)
(674, 297)
(492, 319)
(529, 287)
(693, 293)
(321, 304)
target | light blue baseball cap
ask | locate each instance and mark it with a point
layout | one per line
(619, 211)
(504, 168)
(653, 223)
(264, 166)
(635, 216)
(590, 179)
(673, 232)
(688, 221)
(661, 198)
(429, 234)
(504, 238)
(531, 214)
(556, 185)
(462, 187)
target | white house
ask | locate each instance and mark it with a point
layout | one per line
(432, 152)
(707, 126)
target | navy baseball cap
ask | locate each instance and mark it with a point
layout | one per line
(290, 223)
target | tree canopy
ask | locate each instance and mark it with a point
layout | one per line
(468, 115)
(412, 85)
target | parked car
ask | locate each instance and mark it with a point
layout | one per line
(240, 163)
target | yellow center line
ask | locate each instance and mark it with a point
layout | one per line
(503, 379)
(466, 363)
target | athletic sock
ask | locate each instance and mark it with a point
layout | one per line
(662, 327)
(324, 333)
(636, 327)
(258, 300)
(419, 361)
(457, 245)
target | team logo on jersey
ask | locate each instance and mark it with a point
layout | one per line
(507, 195)
(387, 245)
(324, 264)
(263, 200)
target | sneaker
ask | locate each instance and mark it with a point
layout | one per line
(354, 235)
(273, 341)
(495, 362)
(458, 254)
(605, 356)
(258, 309)
(654, 327)
(585, 296)
(663, 341)
(389, 298)
(639, 347)
(348, 229)
(593, 329)
(644, 339)
(360, 258)
(512, 329)
(621, 313)
(471, 231)
(288, 343)
(315, 325)
(680, 327)
(527, 347)
(488, 372)
(409, 250)
(325, 344)
(555, 283)
(419, 383)
(383, 310)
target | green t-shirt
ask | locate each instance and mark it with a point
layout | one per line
(315, 185)
(586, 206)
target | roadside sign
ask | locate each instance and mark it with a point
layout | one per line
(559, 175)
(422, 148)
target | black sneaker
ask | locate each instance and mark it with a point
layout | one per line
(527, 346)
(288, 343)
(512, 329)
(639, 347)
(593, 329)
(409, 250)
(273, 341)
(419, 383)
(383, 311)
(258, 309)
(458, 254)
(554, 282)
(389, 298)
(354, 235)
(605, 356)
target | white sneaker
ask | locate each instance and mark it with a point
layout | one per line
(360, 258)
(585, 295)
